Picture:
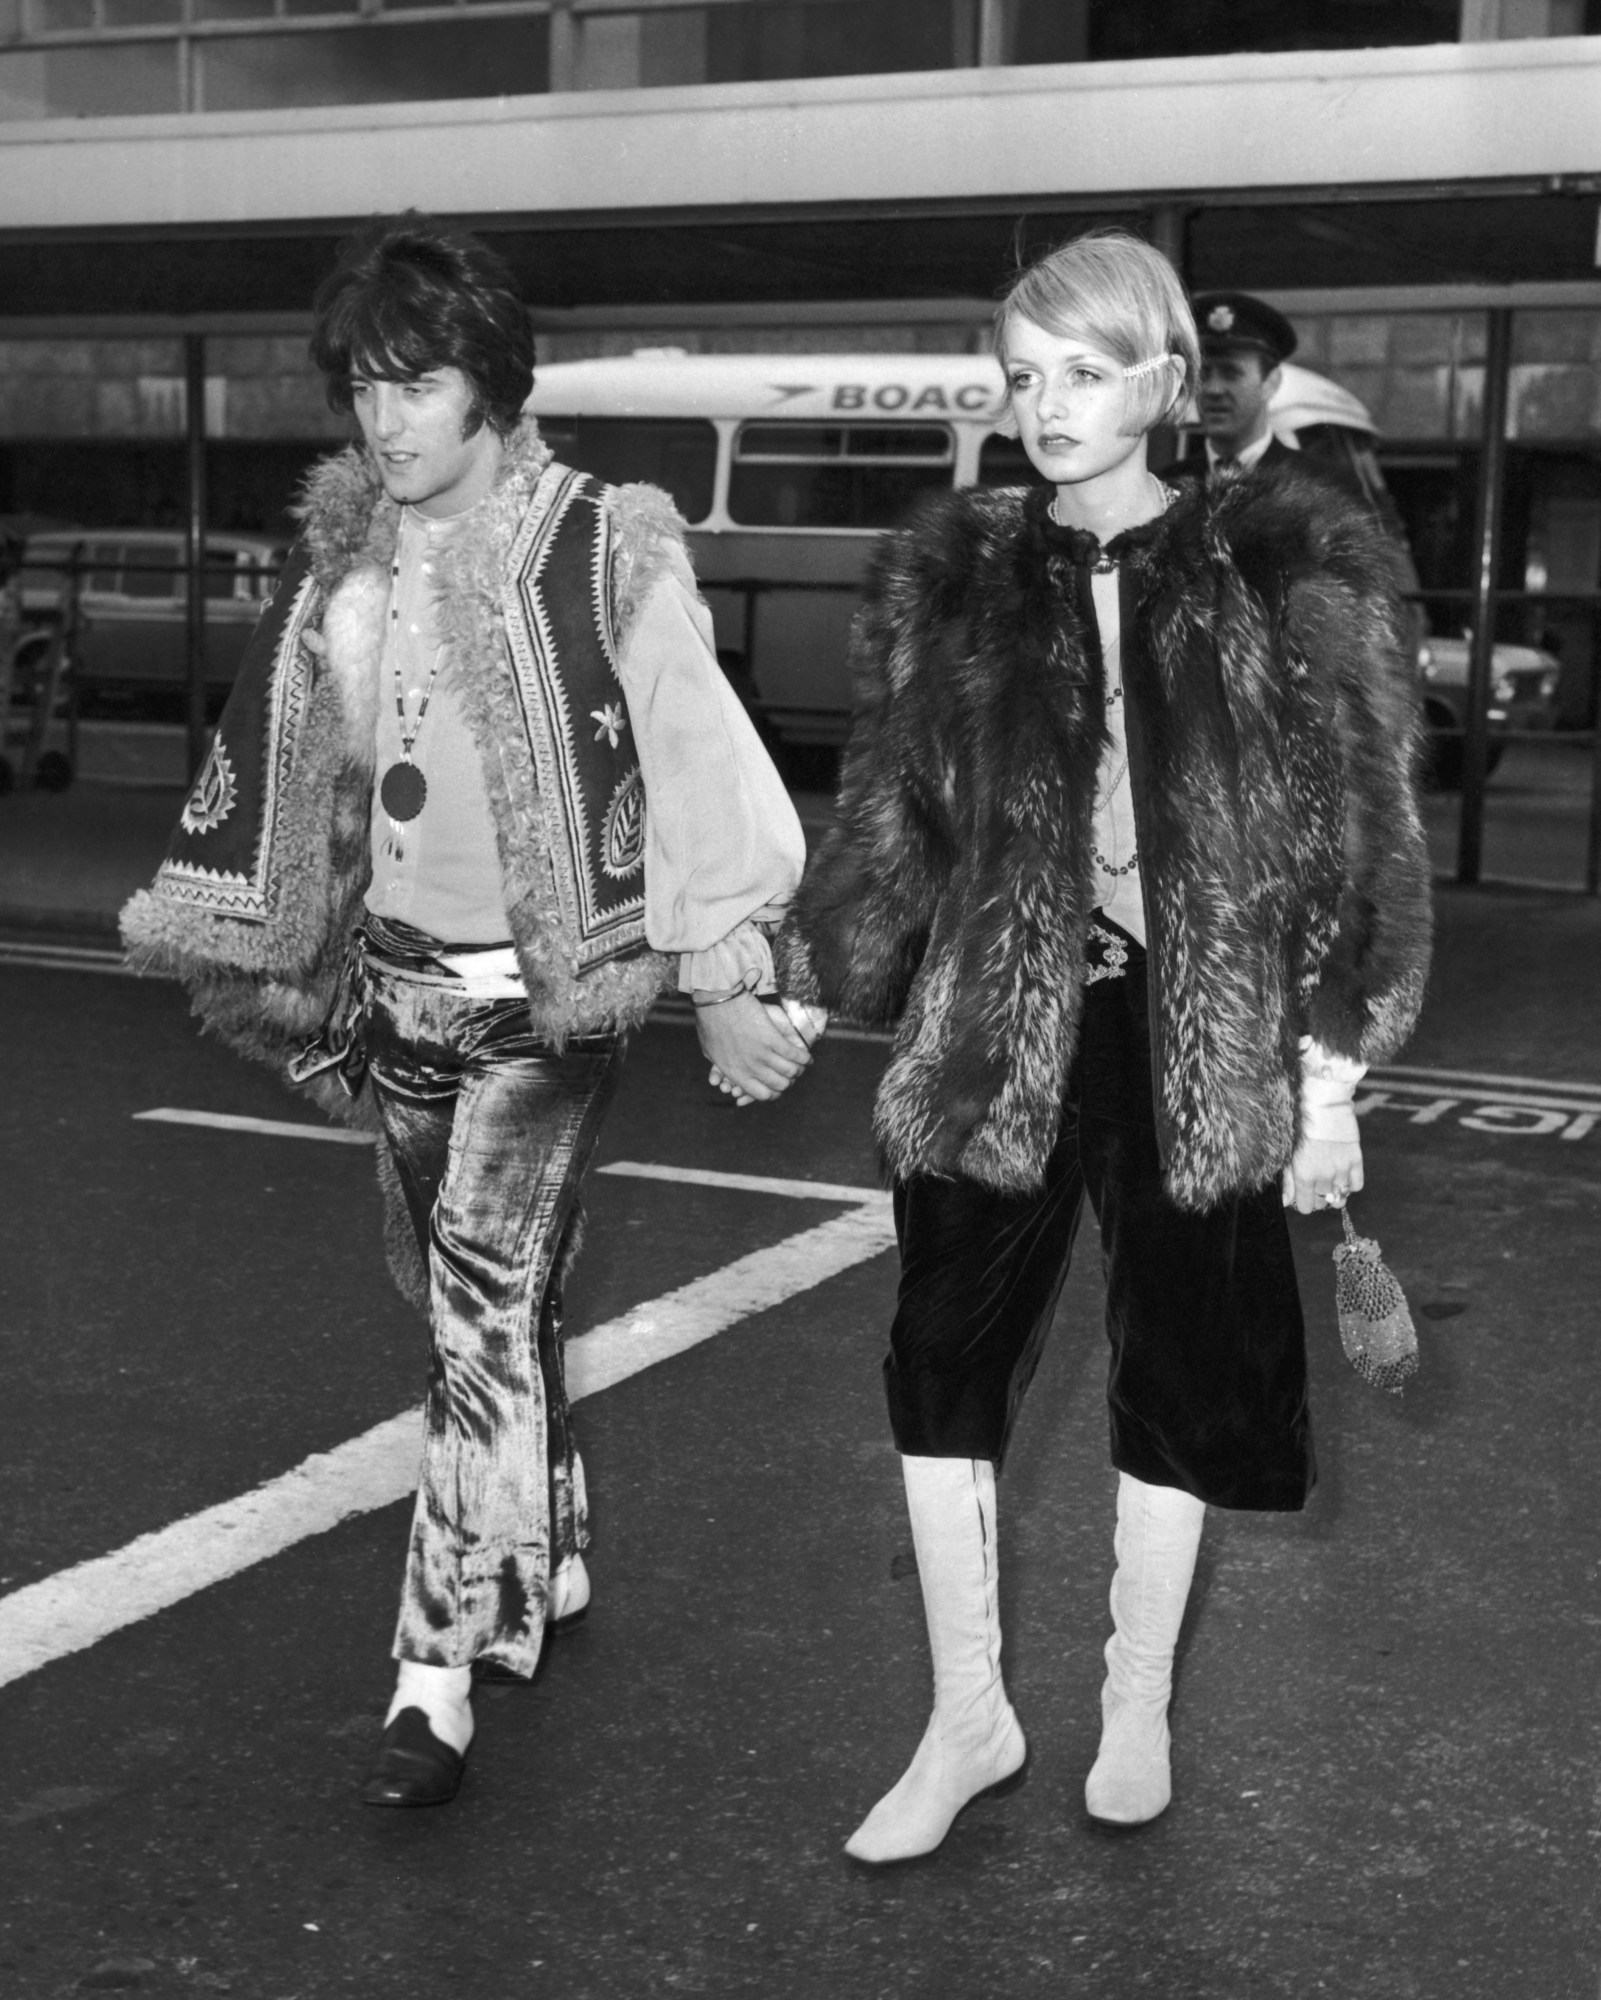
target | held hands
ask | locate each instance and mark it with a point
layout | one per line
(757, 1049)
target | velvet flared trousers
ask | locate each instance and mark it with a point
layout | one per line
(1207, 1386)
(490, 1131)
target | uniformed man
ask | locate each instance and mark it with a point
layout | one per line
(1244, 341)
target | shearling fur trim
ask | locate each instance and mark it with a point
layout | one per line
(346, 517)
(353, 632)
(648, 544)
(353, 549)
(1271, 705)
(263, 987)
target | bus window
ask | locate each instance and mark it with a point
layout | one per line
(679, 453)
(1002, 461)
(836, 475)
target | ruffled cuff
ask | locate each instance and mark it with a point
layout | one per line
(742, 962)
(1328, 1086)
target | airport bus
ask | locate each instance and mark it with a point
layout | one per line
(788, 466)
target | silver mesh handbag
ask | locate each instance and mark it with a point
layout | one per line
(1376, 1327)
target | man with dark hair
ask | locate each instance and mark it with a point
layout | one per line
(412, 295)
(1244, 342)
(479, 790)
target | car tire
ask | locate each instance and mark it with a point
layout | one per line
(1441, 765)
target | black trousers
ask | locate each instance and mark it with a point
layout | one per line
(1207, 1386)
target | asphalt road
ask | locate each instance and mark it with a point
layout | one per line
(1385, 1729)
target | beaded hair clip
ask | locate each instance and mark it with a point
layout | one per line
(1145, 367)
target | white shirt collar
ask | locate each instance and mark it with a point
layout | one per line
(1244, 460)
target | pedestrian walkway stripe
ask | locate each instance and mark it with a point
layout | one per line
(78, 1607)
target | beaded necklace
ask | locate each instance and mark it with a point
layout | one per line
(403, 790)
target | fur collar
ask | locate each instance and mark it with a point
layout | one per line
(351, 527)
(349, 521)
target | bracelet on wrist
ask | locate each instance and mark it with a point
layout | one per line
(722, 999)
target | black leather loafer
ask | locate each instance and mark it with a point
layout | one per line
(414, 1768)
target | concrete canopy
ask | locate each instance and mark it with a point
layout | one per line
(1449, 165)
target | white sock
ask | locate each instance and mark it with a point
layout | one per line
(444, 1696)
(569, 1588)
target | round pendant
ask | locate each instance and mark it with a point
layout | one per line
(403, 792)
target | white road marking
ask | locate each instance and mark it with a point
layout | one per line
(708, 1306)
(753, 1183)
(276, 1128)
(1505, 1113)
(78, 1607)
(44, 956)
(1388, 1072)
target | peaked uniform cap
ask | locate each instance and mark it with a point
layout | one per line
(1236, 319)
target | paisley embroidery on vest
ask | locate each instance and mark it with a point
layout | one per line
(623, 839)
(216, 792)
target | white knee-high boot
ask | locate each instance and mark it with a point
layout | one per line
(1158, 1533)
(973, 1743)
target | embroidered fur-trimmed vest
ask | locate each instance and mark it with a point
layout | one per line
(264, 881)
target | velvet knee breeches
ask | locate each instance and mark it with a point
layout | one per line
(1207, 1385)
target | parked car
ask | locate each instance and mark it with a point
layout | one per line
(130, 650)
(1523, 695)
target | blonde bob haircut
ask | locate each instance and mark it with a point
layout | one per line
(1118, 294)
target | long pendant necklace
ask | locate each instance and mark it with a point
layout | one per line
(1103, 804)
(403, 790)
(1105, 794)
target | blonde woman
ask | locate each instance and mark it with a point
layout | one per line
(1127, 847)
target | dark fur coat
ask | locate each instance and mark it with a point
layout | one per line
(1272, 712)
